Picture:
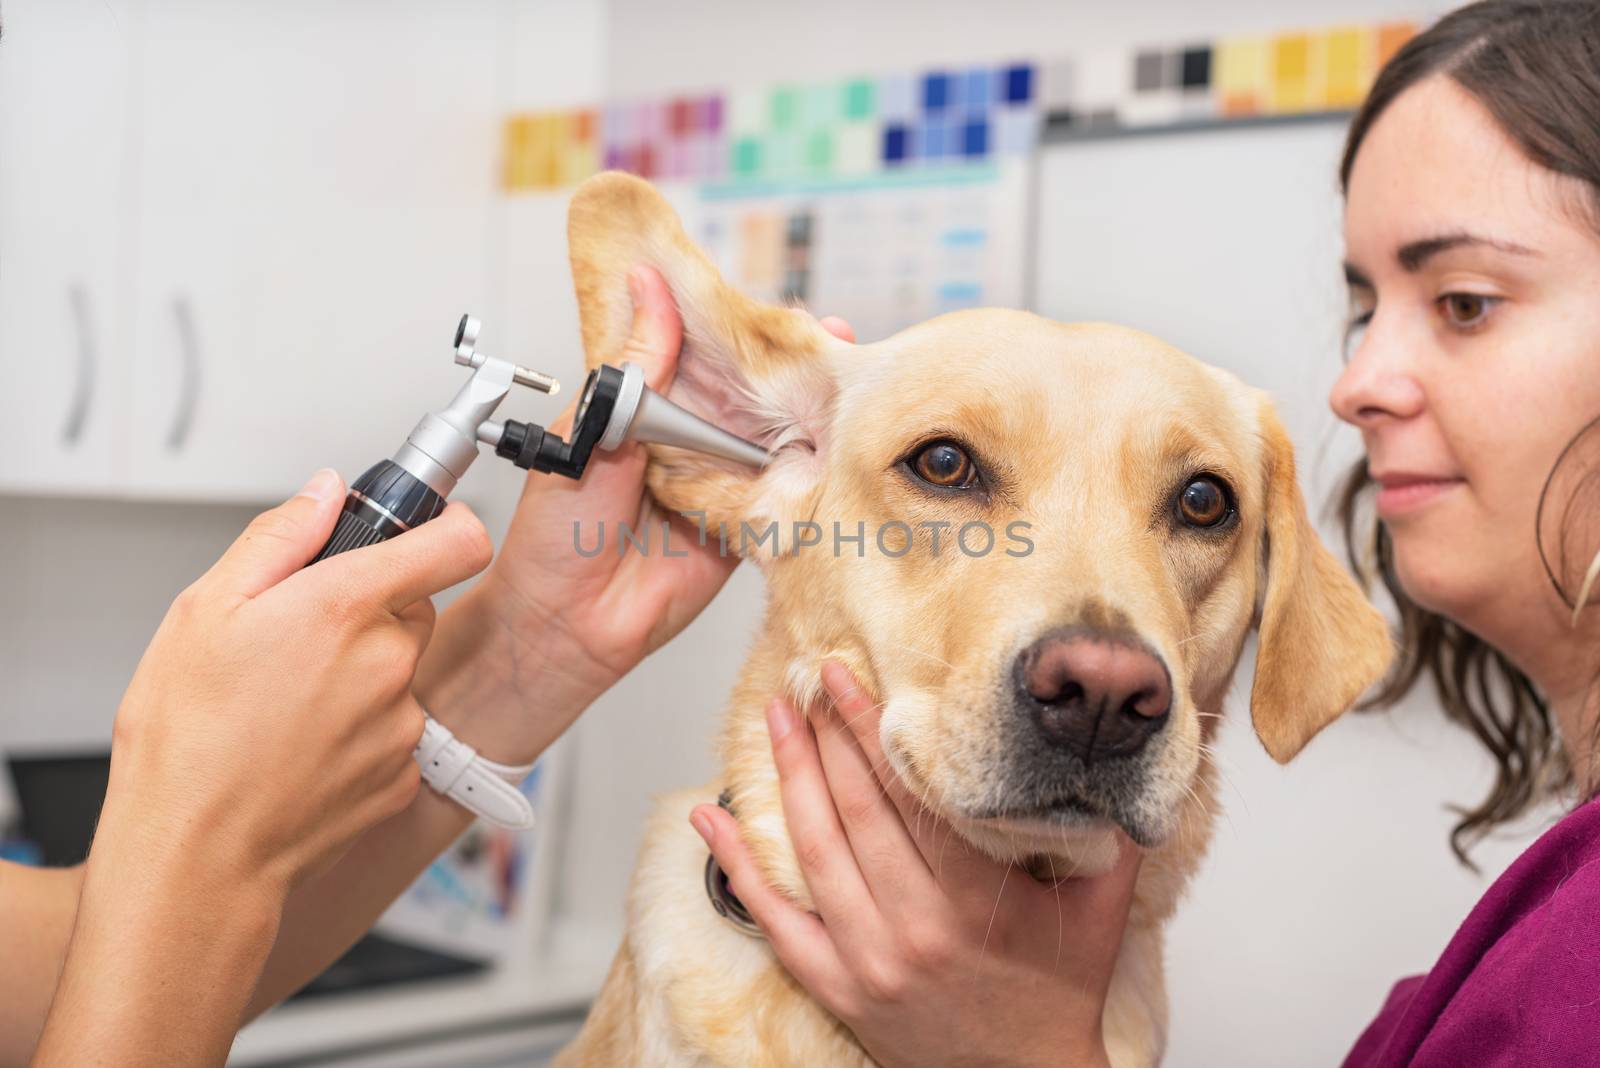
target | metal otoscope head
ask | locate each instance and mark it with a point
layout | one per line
(642, 414)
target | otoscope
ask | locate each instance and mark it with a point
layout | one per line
(410, 488)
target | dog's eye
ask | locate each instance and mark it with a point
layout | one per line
(1203, 502)
(944, 464)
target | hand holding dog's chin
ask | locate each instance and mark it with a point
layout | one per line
(929, 951)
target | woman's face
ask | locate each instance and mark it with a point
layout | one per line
(1475, 289)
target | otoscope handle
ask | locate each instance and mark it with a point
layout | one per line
(386, 501)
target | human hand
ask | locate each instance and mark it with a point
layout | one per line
(269, 724)
(552, 629)
(930, 952)
(270, 720)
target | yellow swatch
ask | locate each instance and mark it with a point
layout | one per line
(1349, 54)
(1291, 67)
(1240, 78)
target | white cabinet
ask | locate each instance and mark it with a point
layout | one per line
(63, 363)
(261, 220)
(316, 186)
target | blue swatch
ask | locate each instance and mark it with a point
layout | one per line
(1019, 84)
(896, 145)
(975, 139)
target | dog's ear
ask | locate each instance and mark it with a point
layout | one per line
(762, 372)
(1322, 643)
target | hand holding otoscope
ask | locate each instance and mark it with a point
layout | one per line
(410, 488)
(259, 814)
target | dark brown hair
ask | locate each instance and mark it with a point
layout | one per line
(1535, 65)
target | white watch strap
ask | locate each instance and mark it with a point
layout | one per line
(488, 790)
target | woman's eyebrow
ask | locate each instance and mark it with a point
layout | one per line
(1414, 255)
(1355, 278)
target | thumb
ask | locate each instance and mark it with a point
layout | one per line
(657, 335)
(279, 542)
(653, 342)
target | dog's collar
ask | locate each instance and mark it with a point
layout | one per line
(720, 893)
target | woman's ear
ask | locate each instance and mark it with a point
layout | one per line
(762, 372)
(1322, 643)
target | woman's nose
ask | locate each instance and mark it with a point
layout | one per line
(1378, 383)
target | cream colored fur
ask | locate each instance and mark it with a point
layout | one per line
(1085, 429)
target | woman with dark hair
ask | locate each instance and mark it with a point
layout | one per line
(1472, 230)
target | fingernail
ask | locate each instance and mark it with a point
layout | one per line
(780, 719)
(837, 678)
(323, 485)
(703, 824)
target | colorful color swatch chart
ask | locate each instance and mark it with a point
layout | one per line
(863, 126)
(1232, 78)
(855, 127)
(884, 253)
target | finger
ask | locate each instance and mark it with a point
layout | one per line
(860, 715)
(281, 541)
(889, 858)
(802, 943)
(838, 328)
(419, 563)
(826, 861)
(410, 719)
(949, 859)
(615, 478)
(657, 334)
(417, 618)
(1094, 908)
(613, 483)
(1109, 894)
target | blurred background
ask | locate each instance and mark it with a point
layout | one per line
(236, 235)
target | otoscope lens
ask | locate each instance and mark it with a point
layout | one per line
(588, 395)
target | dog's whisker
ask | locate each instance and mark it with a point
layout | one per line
(852, 720)
(1061, 921)
(922, 652)
(1204, 808)
(1219, 762)
(992, 914)
(833, 708)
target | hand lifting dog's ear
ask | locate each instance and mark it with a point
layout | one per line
(762, 372)
(1321, 642)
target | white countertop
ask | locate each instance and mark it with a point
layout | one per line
(562, 981)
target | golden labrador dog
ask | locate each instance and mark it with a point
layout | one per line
(1039, 546)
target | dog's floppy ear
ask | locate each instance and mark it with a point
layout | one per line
(1322, 643)
(759, 371)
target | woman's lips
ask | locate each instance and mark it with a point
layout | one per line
(1399, 494)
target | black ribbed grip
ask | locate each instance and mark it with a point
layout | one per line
(400, 493)
(351, 532)
(385, 501)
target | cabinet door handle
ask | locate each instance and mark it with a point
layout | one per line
(189, 386)
(83, 387)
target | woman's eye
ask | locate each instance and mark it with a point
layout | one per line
(1203, 502)
(1466, 310)
(944, 464)
(1355, 330)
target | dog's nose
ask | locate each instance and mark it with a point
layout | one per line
(1097, 695)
